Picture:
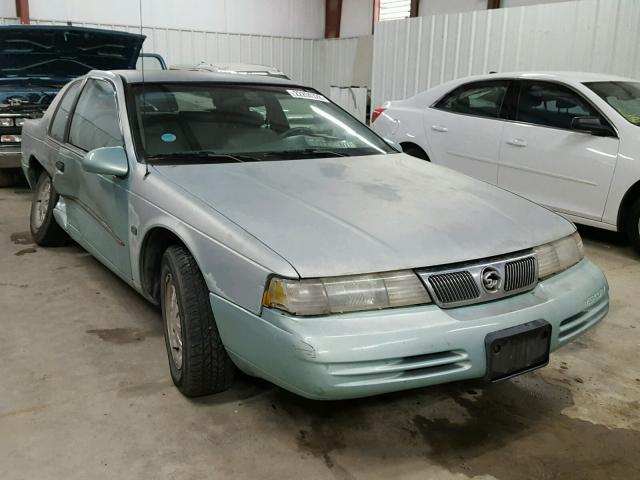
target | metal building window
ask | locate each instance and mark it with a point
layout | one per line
(394, 9)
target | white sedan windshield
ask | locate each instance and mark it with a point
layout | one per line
(623, 96)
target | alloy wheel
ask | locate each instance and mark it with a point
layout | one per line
(172, 321)
(42, 199)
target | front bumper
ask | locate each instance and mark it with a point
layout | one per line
(368, 353)
(10, 156)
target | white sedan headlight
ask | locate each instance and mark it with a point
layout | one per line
(346, 294)
(557, 256)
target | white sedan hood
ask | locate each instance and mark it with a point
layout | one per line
(340, 216)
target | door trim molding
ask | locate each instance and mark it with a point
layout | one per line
(470, 157)
(548, 174)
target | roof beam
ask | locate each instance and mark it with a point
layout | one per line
(22, 11)
(332, 16)
(415, 5)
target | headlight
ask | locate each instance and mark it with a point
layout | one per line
(346, 294)
(557, 256)
(10, 138)
(20, 122)
(6, 122)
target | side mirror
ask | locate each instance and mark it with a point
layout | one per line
(106, 161)
(592, 125)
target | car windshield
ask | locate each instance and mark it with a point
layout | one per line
(624, 97)
(219, 122)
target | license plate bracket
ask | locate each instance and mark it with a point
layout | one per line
(517, 350)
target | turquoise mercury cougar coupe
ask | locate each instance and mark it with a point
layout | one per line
(282, 237)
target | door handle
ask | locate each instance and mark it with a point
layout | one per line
(60, 166)
(517, 142)
(439, 128)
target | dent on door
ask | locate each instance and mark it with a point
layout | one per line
(95, 207)
(65, 173)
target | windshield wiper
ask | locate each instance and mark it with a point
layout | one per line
(305, 152)
(184, 158)
(178, 158)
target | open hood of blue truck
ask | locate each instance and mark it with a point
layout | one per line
(64, 51)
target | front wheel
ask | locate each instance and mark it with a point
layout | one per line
(44, 228)
(415, 151)
(198, 361)
(633, 225)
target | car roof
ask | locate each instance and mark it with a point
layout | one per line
(578, 77)
(179, 76)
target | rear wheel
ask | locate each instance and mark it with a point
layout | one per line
(415, 151)
(198, 361)
(44, 228)
(633, 225)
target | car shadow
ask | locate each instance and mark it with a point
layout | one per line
(601, 236)
(510, 430)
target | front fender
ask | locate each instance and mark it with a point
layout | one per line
(227, 272)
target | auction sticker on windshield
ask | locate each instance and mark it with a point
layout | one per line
(307, 95)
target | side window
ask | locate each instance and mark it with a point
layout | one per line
(551, 105)
(482, 99)
(59, 123)
(95, 119)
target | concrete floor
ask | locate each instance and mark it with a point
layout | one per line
(86, 394)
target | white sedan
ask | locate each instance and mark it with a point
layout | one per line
(569, 141)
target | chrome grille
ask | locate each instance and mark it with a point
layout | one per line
(481, 281)
(519, 274)
(454, 287)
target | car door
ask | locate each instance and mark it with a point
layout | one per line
(57, 130)
(96, 205)
(464, 128)
(542, 158)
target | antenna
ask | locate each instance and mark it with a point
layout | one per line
(144, 98)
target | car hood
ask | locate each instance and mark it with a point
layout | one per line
(53, 51)
(349, 215)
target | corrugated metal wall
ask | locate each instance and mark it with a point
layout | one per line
(588, 35)
(414, 54)
(319, 63)
(335, 64)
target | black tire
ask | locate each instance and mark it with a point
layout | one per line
(7, 177)
(44, 228)
(632, 225)
(415, 151)
(205, 365)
